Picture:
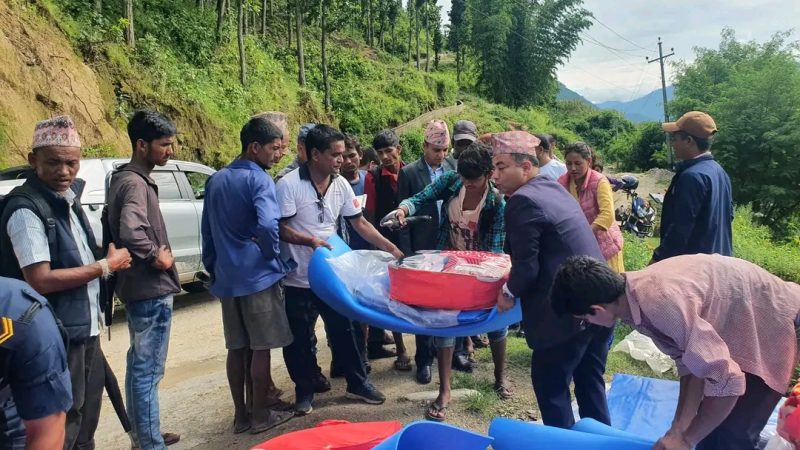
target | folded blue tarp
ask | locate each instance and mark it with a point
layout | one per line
(422, 435)
(511, 434)
(332, 291)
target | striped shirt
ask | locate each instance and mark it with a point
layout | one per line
(29, 240)
(719, 318)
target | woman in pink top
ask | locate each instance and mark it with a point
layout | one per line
(730, 326)
(593, 191)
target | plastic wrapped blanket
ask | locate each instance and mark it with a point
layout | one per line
(366, 274)
(329, 287)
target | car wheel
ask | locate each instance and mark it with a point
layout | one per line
(196, 287)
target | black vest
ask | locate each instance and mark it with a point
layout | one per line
(386, 201)
(72, 305)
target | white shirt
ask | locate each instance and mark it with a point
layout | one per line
(300, 209)
(553, 169)
(29, 240)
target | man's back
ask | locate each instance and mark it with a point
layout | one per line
(751, 310)
(697, 212)
(240, 230)
(544, 227)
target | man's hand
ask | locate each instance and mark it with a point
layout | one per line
(673, 440)
(317, 242)
(504, 303)
(118, 258)
(395, 252)
(164, 260)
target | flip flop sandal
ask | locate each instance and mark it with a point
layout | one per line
(240, 428)
(403, 365)
(170, 438)
(437, 409)
(279, 418)
(503, 392)
(279, 405)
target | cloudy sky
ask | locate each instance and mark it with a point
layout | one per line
(610, 63)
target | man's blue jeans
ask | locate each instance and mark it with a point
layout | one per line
(148, 324)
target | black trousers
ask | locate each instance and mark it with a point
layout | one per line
(582, 360)
(302, 307)
(92, 403)
(742, 428)
(82, 357)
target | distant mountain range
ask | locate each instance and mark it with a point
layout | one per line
(565, 93)
(643, 109)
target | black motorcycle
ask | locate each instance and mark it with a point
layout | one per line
(638, 218)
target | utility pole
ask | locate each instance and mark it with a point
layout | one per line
(661, 58)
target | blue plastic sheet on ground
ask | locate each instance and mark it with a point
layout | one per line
(645, 406)
(422, 435)
(332, 291)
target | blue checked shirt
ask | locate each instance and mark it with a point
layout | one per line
(491, 225)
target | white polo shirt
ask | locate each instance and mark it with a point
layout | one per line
(306, 211)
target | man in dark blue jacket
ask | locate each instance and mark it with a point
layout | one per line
(241, 253)
(544, 227)
(698, 207)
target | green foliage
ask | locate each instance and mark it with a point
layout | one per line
(642, 149)
(519, 45)
(752, 90)
(637, 252)
(754, 243)
(412, 141)
(600, 128)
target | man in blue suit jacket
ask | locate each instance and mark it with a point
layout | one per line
(698, 207)
(544, 227)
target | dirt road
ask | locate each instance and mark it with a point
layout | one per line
(195, 400)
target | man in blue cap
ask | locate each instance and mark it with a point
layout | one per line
(34, 380)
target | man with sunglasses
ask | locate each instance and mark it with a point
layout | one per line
(311, 199)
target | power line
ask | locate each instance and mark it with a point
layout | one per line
(622, 37)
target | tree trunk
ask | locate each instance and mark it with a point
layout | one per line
(427, 38)
(325, 81)
(264, 18)
(130, 39)
(410, 31)
(199, 4)
(220, 18)
(98, 6)
(416, 33)
(240, 37)
(289, 24)
(301, 63)
(369, 22)
(458, 66)
(244, 16)
(394, 41)
(381, 26)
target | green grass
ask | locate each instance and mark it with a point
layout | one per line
(754, 243)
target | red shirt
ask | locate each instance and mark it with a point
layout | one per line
(370, 188)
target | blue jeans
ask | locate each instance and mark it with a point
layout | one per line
(148, 324)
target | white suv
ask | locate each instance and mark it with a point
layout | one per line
(181, 186)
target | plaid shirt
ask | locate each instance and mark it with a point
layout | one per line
(719, 318)
(491, 225)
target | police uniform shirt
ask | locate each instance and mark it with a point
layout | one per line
(33, 349)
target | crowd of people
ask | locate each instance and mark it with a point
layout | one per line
(730, 326)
